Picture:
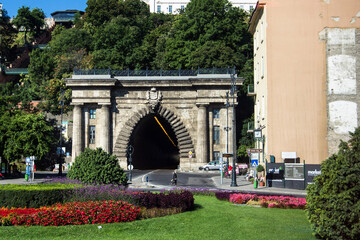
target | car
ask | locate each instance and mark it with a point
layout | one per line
(213, 165)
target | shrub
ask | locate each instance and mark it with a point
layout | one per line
(224, 195)
(97, 166)
(183, 200)
(333, 200)
(32, 198)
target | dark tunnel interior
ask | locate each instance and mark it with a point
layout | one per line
(152, 147)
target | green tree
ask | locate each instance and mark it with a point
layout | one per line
(208, 25)
(7, 33)
(333, 201)
(25, 134)
(97, 166)
(30, 21)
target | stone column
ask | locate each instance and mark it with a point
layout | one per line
(86, 127)
(211, 135)
(105, 128)
(77, 144)
(202, 136)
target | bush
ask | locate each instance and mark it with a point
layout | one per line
(97, 166)
(32, 198)
(333, 205)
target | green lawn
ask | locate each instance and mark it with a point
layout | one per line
(212, 219)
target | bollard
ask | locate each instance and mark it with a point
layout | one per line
(255, 183)
(147, 179)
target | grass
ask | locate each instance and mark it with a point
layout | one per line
(212, 219)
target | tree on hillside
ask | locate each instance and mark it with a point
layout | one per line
(31, 21)
(208, 25)
(7, 33)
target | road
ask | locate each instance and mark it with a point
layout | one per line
(162, 177)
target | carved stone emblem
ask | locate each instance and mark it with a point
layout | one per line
(153, 97)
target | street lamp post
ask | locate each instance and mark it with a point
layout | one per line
(233, 92)
(227, 129)
(61, 119)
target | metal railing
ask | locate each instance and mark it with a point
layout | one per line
(149, 73)
(16, 71)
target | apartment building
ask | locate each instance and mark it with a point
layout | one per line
(306, 77)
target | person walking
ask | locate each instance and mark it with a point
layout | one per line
(174, 178)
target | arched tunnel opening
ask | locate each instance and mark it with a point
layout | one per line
(155, 144)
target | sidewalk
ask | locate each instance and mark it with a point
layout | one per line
(246, 186)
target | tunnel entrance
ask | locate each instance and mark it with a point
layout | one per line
(155, 144)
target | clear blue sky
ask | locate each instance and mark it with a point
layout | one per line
(48, 6)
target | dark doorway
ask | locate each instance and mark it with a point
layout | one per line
(153, 149)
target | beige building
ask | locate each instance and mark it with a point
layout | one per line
(306, 76)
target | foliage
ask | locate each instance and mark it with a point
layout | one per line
(31, 21)
(6, 34)
(25, 134)
(97, 166)
(260, 168)
(75, 213)
(32, 198)
(333, 199)
(207, 34)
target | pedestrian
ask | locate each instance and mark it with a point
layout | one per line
(174, 178)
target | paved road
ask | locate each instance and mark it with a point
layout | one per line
(160, 179)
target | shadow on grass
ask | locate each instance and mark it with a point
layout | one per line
(197, 207)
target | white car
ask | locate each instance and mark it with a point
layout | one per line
(213, 165)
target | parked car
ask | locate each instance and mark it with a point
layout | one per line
(213, 165)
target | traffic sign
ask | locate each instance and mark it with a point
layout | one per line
(227, 154)
(254, 163)
(253, 150)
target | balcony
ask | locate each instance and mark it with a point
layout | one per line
(251, 90)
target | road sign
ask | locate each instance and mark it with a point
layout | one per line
(227, 154)
(254, 163)
(253, 150)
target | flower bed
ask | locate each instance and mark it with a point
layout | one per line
(72, 213)
(269, 201)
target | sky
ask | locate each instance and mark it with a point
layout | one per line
(48, 6)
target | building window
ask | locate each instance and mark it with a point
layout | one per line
(251, 8)
(182, 7)
(159, 8)
(241, 6)
(216, 113)
(216, 134)
(92, 134)
(92, 113)
(170, 8)
(216, 156)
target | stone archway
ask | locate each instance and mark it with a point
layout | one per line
(183, 138)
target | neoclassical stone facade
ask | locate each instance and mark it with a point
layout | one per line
(114, 112)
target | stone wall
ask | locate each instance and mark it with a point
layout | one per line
(343, 71)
